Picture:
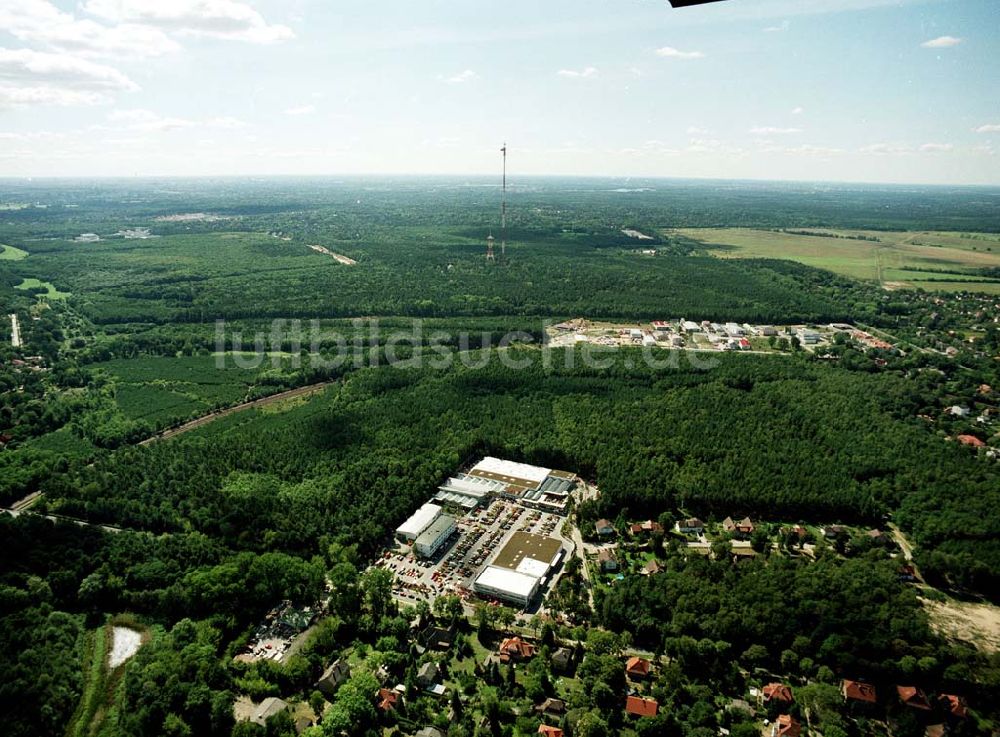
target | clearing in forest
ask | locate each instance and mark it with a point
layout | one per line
(934, 260)
(338, 257)
(975, 623)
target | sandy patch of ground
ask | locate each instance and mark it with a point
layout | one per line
(125, 644)
(340, 258)
(977, 624)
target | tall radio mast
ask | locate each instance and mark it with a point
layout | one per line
(503, 208)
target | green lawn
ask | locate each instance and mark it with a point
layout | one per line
(9, 253)
(53, 293)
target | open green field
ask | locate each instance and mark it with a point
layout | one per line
(9, 253)
(932, 260)
(53, 293)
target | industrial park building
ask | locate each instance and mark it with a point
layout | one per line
(520, 569)
(436, 535)
(418, 522)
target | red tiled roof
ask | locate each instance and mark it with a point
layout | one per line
(971, 440)
(913, 696)
(788, 727)
(955, 704)
(858, 691)
(640, 707)
(549, 731)
(636, 666)
(387, 699)
(517, 648)
(777, 692)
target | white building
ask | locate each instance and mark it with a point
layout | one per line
(418, 522)
(507, 585)
(436, 535)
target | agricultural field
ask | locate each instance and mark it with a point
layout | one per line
(933, 260)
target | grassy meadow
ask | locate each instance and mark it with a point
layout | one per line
(931, 260)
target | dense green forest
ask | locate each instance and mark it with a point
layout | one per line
(291, 500)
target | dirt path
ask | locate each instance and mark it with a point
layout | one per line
(345, 260)
(263, 401)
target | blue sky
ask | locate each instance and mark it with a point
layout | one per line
(845, 90)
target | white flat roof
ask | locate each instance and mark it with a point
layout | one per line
(506, 580)
(513, 468)
(419, 520)
(533, 567)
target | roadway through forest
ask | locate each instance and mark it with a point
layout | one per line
(15, 331)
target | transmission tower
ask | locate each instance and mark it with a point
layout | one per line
(503, 208)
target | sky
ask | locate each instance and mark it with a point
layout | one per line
(818, 90)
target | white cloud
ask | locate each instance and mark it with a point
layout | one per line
(301, 110)
(936, 147)
(669, 52)
(941, 42)
(694, 130)
(462, 77)
(36, 78)
(883, 149)
(574, 74)
(225, 19)
(41, 22)
(798, 110)
(767, 130)
(988, 128)
(778, 29)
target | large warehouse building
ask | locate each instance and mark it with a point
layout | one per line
(533, 486)
(437, 534)
(418, 522)
(520, 569)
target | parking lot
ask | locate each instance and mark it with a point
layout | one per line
(481, 534)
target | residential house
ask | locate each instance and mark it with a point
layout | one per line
(954, 705)
(776, 693)
(430, 732)
(971, 440)
(651, 568)
(604, 528)
(608, 560)
(428, 674)
(913, 697)
(551, 707)
(545, 729)
(333, 677)
(741, 530)
(645, 528)
(515, 649)
(958, 411)
(690, 526)
(386, 700)
(858, 692)
(785, 726)
(637, 668)
(876, 536)
(562, 659)
(433, 637)
(267, 709)
(639, 706)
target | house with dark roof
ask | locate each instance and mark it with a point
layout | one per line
(913, 697)
(639, 706)
(338, 672)
(786, 726)
(433, 637)
(551, 707)
(562, 659)
(637, 668)
(858, 692)
(645, 528)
